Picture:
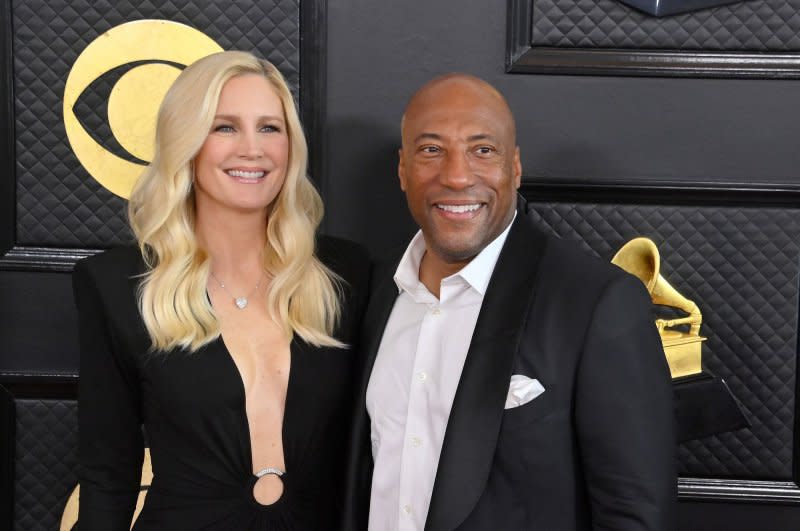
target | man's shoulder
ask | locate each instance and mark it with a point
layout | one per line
(570, 258)
(573, 271)
(559, 258)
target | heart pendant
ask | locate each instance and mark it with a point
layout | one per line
(241, 302)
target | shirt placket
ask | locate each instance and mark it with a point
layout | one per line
(416, 442)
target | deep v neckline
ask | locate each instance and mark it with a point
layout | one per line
(243, 411)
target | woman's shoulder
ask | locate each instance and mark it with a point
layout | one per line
(115, 264)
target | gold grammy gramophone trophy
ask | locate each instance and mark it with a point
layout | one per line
(640, 257)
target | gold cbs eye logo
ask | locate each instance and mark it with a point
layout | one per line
(137, 61)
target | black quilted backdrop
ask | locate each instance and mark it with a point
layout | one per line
(45, 462)
(760, 25)
(740, 265)
(58, 203)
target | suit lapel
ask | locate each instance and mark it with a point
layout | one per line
(375, 319)
(474, 423)
(359, 471)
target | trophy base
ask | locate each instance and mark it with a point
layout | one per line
(705, 406)
(683, 351)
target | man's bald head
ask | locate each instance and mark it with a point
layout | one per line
(465, 86)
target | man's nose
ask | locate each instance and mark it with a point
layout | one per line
(456, 172)
(250, 145)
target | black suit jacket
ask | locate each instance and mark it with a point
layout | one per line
(596, 450)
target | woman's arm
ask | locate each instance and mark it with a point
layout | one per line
(110, 438)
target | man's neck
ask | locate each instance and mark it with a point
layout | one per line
(432, 269)
(435, 266)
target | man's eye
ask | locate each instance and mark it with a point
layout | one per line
(485, 150)
(429, 149)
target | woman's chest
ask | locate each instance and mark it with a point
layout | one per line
(193, 388)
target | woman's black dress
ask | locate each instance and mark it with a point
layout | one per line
(192, 407)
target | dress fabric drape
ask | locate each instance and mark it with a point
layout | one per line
(192, 408)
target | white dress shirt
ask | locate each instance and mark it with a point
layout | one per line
(414, 381)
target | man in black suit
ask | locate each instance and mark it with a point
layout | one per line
(511, 381)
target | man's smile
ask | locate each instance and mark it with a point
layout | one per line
(459, 210)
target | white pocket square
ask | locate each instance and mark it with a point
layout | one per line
(522, 390)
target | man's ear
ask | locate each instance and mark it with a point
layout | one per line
(401, 169)
(517, 168)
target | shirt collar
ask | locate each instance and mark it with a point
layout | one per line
(476, 273)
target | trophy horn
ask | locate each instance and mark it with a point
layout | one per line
(640, 257)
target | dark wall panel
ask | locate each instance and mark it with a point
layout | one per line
(767, 25)
(46, 462)
(729, 516)
(38, 325)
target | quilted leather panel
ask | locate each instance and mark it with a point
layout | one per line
(740, 265)
(45, 462)
(58, 202)
(767, 25)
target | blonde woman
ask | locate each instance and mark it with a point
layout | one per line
(227, 332)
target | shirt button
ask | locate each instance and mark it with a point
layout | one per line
(416, 442)
(436, 310)
(422, 375)
(407, 509)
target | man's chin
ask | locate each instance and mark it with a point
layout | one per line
(454, 252)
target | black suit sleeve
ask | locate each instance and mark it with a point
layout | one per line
(110, 446)
(624, 414)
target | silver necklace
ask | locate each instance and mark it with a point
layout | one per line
(240, 302)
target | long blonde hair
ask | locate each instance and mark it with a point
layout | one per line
(303, 295)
